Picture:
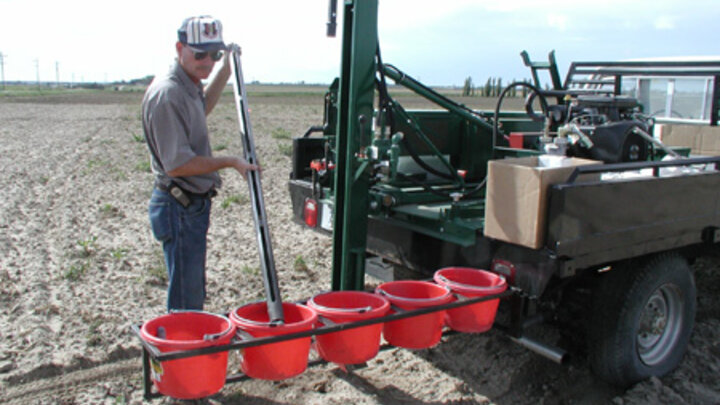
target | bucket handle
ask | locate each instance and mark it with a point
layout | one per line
(387, 294)
(360, 310)
(208, 337)
(242, 335)
(270, 324)
(470, 286)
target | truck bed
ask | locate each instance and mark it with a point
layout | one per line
(590, 223)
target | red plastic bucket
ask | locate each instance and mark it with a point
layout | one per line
(417, 332)
(472, 283)
(356, 345)
(275, 361)
(191, 377)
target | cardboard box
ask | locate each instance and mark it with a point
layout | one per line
(517, 194)
(703, 140)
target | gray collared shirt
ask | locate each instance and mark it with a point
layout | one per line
(173, 112)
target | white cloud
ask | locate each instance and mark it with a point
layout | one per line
(664, 23)
(557, 21)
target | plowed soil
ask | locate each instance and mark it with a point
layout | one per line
(79, 266)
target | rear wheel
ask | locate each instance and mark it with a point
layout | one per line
(642, 318)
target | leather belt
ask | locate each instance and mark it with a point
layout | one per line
(209, 194)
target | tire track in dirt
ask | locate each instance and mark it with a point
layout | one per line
(69, 384)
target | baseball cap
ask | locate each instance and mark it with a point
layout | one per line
(203, 33)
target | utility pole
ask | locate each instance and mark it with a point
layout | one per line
(2, 68)
(37, 72)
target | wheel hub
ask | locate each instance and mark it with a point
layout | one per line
(660, 324)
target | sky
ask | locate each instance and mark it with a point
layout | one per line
(438, 42)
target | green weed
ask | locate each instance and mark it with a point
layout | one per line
(143, 166)
(119, 174)
(94, 338)
(87, 246)
(108, 209)
(138, 138)
(119, 253)
(285, 148)
(250, 271)
(157, 270)
(235, 198)
(219, 147)
(300, 264)
(93, 163)
(76, 271)
(281, 133)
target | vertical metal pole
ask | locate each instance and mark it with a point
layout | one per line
(715, 102)
(617, 90)
(147, 384)
(553, 69)
(357, 86)
(37, 72)
(706, 93)
(332, 18)
(2, 69)
(262, 230)
(669, 98)
(643, 94)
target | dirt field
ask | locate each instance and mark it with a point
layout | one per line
(79, 266)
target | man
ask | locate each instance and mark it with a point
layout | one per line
(174, 112)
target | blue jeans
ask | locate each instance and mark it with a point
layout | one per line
(183, 233)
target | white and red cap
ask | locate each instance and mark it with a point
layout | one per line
(202, 33)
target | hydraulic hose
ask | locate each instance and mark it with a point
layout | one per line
(543, 104)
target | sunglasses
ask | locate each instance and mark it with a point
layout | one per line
(215, 55)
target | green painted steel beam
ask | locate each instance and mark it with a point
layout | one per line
(354, 134)
(437, 98)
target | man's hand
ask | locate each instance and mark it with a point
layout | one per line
(233, 47)
(242, 166)
(230, 49)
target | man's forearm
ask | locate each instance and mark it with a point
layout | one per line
(203, 165)
(214, 90)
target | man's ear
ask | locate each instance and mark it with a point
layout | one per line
(178, 47)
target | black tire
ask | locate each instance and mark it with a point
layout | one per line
(642, 317)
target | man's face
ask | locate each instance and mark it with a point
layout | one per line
(196, 69)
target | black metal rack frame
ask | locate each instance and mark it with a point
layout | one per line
(240, 342)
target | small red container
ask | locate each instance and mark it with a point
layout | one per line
(190, 377)
(417, 332)
(275, 361)
(516, 140)
(472, 283)
(310, 212)
(356, 345)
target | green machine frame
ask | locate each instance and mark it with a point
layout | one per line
(354, 133)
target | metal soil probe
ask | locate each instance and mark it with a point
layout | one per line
(272, 292)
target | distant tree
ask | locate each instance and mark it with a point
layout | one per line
(499, 86)
(144, 80)
(488, 87)
(468, 88)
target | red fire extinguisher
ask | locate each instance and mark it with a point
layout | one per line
(311, 212)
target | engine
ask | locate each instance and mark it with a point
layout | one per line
(600, 127)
